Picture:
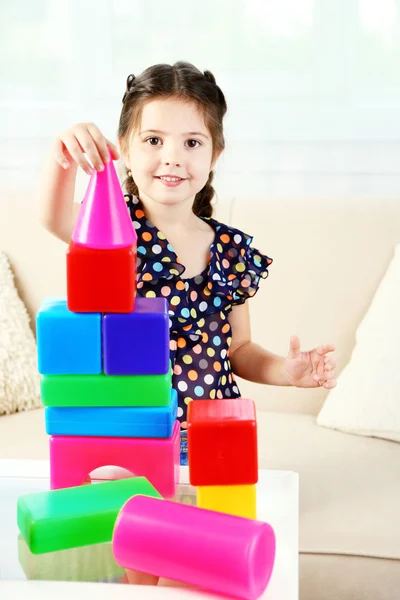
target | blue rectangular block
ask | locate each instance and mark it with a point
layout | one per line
(137, 343)
(68, 343)
(134, 422)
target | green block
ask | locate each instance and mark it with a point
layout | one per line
(76, 516)
(106, 390)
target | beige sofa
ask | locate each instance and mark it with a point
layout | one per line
(329, 258)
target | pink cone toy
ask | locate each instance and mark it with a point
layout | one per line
(104, 221)
(223, 553)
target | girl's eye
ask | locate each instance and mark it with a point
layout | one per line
(195, 141)
(153, 138)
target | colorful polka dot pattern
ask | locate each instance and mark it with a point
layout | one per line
(200, 332)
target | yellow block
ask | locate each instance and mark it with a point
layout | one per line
(239, 500)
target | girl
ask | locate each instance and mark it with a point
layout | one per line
(170, 137)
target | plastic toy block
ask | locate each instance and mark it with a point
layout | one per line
(106, 390)
(73, 458)
(138, 422)
(76, 516)
(101, 280)
(226, 554)
(222, 442)
(239, 500)
(137, 343)
(104, 221)
(67, 343)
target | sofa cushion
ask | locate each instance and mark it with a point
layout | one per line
(366, 399)
(19, 377)
(349, 485)
(23, 436)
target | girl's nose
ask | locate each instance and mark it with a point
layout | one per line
(167, 163)
(172, 156)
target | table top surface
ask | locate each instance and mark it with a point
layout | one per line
(23, 574)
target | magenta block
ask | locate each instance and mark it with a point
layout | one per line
(73, 458)
(226, 554)
(137, 343)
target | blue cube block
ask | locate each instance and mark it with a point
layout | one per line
(68, 343)
(133, 422)
(137, 343)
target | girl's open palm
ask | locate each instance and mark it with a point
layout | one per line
(84, 138)
(303, 368)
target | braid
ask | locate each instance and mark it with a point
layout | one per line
(130, 185)
(202, 206)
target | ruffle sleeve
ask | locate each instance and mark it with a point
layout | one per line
(236, 267)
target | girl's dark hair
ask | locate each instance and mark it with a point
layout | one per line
(183, 81)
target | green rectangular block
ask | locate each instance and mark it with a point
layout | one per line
(76, 516)
(106, 390)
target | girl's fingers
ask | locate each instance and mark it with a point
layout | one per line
(330, 384)
(138, 578)
(61, 153)
(89, 146)
(330, 364)
(104, 146)
(325, 348)
(328, 376)
(74, 148)
(84, 139)
(114, 150)
(100, 142)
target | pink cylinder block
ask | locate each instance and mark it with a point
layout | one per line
(220, 552)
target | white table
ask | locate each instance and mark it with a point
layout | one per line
(277, 503)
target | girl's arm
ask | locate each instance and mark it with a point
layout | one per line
(58, 213)
(250, 361)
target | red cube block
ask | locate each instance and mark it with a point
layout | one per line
(101, 280)
(222, 442)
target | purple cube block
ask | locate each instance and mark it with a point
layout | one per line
(137, 343)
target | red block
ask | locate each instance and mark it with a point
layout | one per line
(101, 280)
(222, 442)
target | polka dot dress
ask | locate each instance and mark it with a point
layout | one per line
(200, 333)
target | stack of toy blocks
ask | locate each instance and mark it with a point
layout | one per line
(222, 455)
(103, 355)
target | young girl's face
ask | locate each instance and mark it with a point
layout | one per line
(172, 140)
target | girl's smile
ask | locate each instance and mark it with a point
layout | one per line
(171, 181)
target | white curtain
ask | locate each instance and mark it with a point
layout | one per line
(313, 86)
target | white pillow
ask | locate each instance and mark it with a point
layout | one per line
(19, 377)
(366, 400)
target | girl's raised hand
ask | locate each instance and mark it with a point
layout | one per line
(83, 138)
(312, 368)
